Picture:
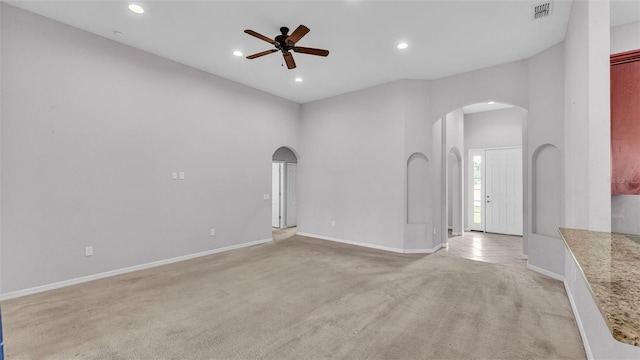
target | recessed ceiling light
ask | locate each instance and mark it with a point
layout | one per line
(491, 102)
(237, 53)
(403, 45)
(298, 79)
(136, 8)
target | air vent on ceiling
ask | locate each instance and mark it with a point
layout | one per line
(542, 10)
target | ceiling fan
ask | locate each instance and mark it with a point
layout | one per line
(286, 43)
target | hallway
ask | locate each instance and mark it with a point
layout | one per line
(493, 248)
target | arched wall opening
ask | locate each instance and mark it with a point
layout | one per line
(419, 212)
(450, 162)
(547, 210)
(284, 185)
(418, 189)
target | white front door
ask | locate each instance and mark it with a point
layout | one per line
(275, 194)
(503, 194)
(292, 197)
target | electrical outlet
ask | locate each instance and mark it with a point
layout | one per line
(88, 251)
(213, 232)
(266, 196)
(434, 231)
(181, 175)
(333, 223)
(174, 175)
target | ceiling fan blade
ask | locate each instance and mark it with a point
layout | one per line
(297, 34)
(262, 54)
(288, 58)
(260, 36)
(311, 51)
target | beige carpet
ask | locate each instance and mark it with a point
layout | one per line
(301, 298)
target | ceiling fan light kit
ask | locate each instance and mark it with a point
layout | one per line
(287, 43)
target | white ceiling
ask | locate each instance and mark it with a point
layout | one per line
(444, 37)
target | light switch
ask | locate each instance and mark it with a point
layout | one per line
(174, 175)
(181, 175)
(266, 196)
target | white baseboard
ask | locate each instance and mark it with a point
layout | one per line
(372, 246)
(83, 279)
(357, 243)
(422, 251)
(583, 334)
(545, 272)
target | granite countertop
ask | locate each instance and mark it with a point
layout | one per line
(611, 265)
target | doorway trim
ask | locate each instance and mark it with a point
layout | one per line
(286, 159)
(291, 195)
(279, 178)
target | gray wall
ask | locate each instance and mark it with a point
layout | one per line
(91, 132)
(587, 117)
(625, 209)
(544, 128)
(438, 183)
(1, 36)
(494, 129)
(625, 37)
(419, 204)
(505, 83)
(455, 170)
(353, 151)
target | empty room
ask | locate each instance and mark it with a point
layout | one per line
(320, 179)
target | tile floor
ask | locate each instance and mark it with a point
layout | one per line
(479, 246)
(493, 248)
(281, 234)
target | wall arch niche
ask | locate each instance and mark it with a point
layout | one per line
(547, 183)
(418, 189)
(418, 234)
(284, 188)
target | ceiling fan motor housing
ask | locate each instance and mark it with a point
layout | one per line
(282, 40)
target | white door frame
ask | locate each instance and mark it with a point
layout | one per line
(281, 186)
(290, 196)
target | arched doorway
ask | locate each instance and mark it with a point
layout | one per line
(284, 194)
(487, 139)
